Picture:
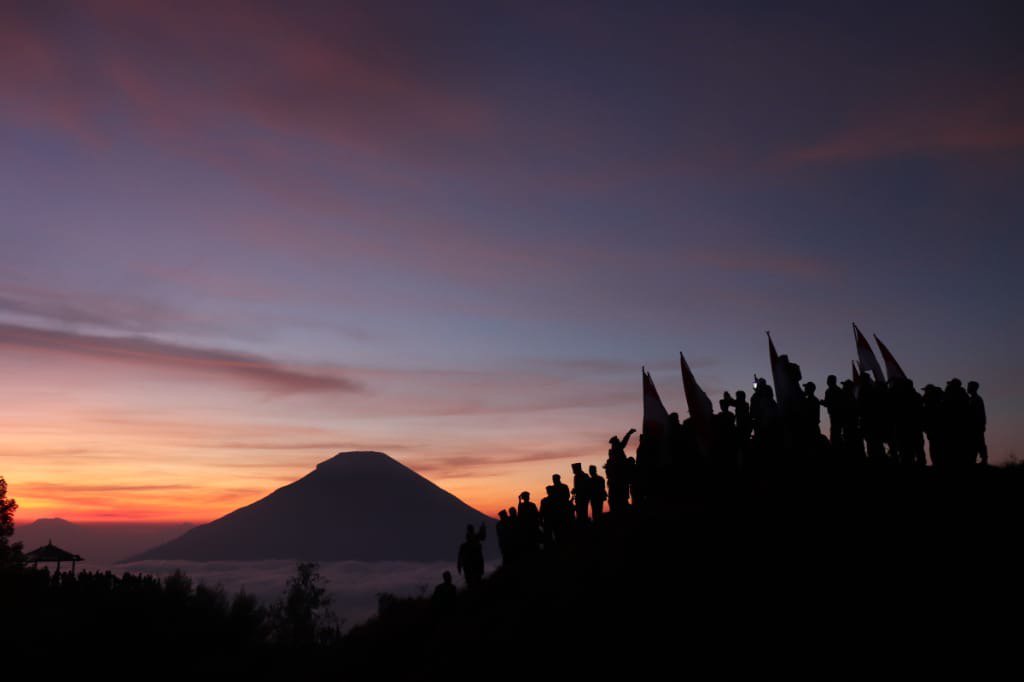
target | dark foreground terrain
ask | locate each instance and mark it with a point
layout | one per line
(852, 572)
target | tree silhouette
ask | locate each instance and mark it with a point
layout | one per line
(8, 552)
(303, 616)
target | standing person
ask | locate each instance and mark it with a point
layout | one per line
(598, 494)
(471, 555)
(580, 491)
(505, 540)
(811, 413)
(956, 416)
(547, 519)
(835, 403)
(617, 470)
(529, 523)
(977, 423)
(743, 426)
(853, 436)
(444, 594)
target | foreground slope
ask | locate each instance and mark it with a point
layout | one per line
(357, 505)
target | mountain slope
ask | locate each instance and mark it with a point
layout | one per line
(357, 505)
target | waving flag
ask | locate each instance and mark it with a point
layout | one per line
(867, 358)
(854, 373)
(697, 400)
(892, 368)
(787, 386)
(699, 405)
(655, 414)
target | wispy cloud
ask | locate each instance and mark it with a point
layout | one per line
(286, 72)
(944, 115)
(140, 350)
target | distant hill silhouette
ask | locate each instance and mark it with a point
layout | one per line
(357, 505)
(100, 543)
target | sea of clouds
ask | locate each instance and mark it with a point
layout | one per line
(352, 585)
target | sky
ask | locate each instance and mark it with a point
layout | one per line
(238, 238)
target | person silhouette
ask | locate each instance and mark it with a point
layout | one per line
(529, 522)
(743, 424)
(580, 491)
(811, 410)
(617, 470)
(834, 402)
(598, 494)
(471, 555)
(976, 407)
(443, 598)
(504, 531)
(561, 491)
(516, 543)
(957, 418)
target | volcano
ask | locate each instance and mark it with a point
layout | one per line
(362, 506)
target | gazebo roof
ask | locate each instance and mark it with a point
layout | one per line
(51, 552)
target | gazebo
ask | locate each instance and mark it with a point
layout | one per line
(51, 553)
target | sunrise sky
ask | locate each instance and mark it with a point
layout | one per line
(237, 238)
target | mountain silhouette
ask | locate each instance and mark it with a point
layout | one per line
(357, 505)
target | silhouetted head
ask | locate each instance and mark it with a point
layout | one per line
(577, 468)
(524, 496)
(809, 388)
(593, 470)
(761, 384)
(447, 577)
(512, 512)
(954, 383)
(503, 515)
(972, 387)
(673, 418)
(556, 479)
(741, 396)
(831, 381)
(550, 490)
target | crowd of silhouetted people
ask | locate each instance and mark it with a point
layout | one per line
(525, 528)
(869, 421)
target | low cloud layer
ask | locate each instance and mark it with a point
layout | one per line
(352, 585)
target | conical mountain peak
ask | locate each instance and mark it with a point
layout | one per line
(359, 458)
(360, 505)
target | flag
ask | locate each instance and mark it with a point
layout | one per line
(656, 422)
(892, 368)
(867, 358)
(699, 405)
(787, 388)
(854, 373)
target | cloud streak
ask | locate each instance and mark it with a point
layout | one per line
(138, 350)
